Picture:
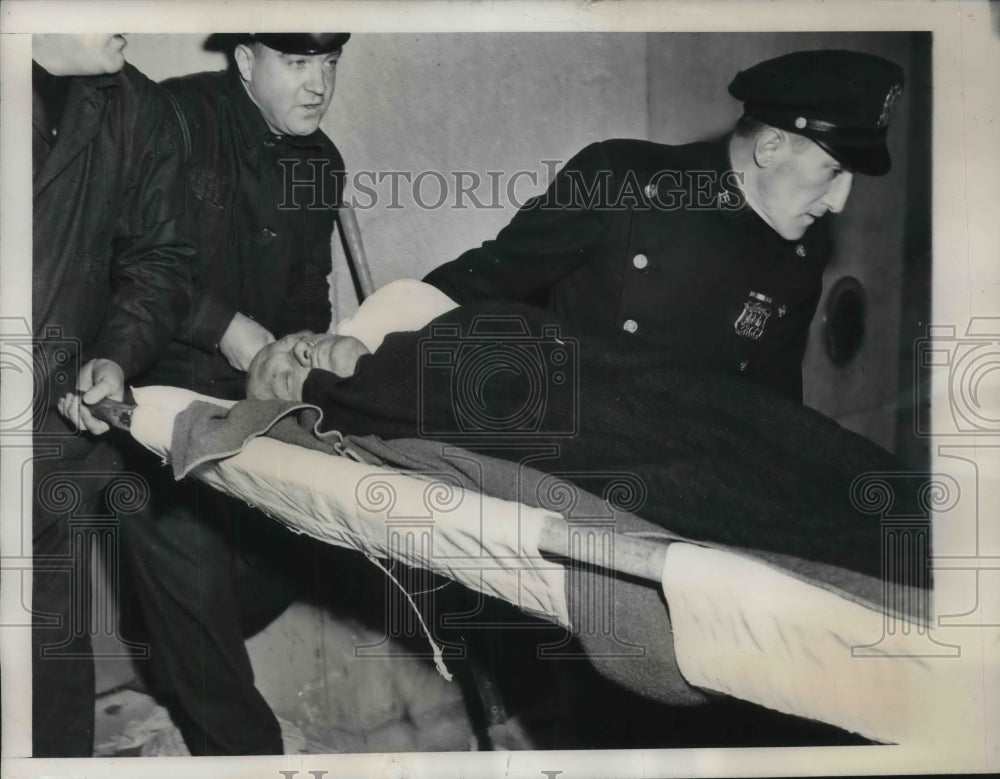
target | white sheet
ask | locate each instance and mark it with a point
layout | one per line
(487, 544)
(400, 306)
(744, 628)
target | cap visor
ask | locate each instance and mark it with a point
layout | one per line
(867, 160)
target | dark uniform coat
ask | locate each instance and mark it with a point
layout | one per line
(264, 243)
(656, 243)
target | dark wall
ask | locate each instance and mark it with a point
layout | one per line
(915, 312)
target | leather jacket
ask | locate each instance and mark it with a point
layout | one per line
(262, 230)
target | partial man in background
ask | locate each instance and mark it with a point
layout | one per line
(111, 280)
(708, 250)
(263, 184)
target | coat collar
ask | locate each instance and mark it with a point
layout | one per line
(86, 104)
(737, 207)
(748, 220)
(729, 196)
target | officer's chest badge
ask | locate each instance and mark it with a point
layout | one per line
(890, 102)
(756, 311)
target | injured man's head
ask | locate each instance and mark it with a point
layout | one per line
(279, 370)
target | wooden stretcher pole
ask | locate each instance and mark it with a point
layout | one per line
(116, 413)
(356, 250)
(642, 557)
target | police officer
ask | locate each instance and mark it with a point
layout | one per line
(708, 249)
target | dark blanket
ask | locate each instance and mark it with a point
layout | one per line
(708, 456)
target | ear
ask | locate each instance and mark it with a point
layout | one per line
(244, 57)
(768, 145)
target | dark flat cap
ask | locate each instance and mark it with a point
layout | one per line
(302, 42)
(287, 42)
(840, 99)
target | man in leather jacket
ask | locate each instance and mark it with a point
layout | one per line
(110, 284)
(263, 184)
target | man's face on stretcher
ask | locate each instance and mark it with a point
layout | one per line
(279, 370)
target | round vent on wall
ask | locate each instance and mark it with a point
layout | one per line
(844, 320)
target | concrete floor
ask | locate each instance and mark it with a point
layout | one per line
(326, 697)
(337, 684)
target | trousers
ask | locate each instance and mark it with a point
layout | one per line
(203, 572)
(62, 689)
(78, 491)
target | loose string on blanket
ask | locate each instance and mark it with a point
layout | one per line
(335, 439)
(434, 589)
(440, 587)
(438, 652)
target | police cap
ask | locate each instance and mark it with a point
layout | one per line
(301, 42)
(840, 99)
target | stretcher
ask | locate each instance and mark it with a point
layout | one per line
(740, 626)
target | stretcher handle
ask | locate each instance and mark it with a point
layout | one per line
(642, 557)
(356, 250)
(116, 413)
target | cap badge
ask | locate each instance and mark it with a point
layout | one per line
(889, 104)
(801, 123)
